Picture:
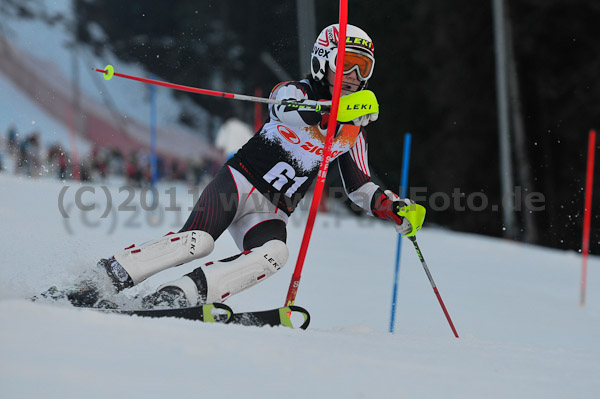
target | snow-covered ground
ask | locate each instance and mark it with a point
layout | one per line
(523, 333)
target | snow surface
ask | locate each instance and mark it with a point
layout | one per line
(18, 110)
(523, 333)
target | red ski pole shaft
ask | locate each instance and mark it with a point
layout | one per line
(331, 129)
(213, 93)
(435, 290)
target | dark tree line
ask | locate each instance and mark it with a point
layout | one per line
(435, 78)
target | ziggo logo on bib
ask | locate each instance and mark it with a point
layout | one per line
(293, 138)
(318, 150)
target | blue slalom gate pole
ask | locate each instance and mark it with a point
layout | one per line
(153, 159)
(403, 191)
(153, 162)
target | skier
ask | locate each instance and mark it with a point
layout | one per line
(257, 189)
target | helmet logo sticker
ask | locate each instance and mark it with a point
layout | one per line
(358, 42)
(324, 43)
(330, 35)
(321, 52)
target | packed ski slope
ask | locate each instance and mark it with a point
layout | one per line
(523, 334)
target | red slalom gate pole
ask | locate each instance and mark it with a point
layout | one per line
(314, 206)
(587, 211)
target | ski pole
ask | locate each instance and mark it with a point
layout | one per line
(403, 190)
(109, 72)
(437, 293)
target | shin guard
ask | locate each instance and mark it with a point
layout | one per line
(217, 281)
(157, 255)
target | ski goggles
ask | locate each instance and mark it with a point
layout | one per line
(353, 61)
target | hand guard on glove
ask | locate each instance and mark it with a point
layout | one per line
(405, 213)
(359, 108)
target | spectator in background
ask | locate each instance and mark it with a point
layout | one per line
(62, 165)
(174, 170)
(115, 162)
(103, 163)
(28, 159)
(160, 166)
(58, 161)
(193, 172)
(99, 162)
(145, 167)
(34, 155)
(22, 162)
(13, 140)
(198, 172)
(85, 172)
(133, 171)
(212, 165)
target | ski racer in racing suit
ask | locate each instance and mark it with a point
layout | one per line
(257, 190)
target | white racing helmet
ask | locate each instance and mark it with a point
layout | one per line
(360, 53)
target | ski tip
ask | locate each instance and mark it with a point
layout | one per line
(290, 309)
